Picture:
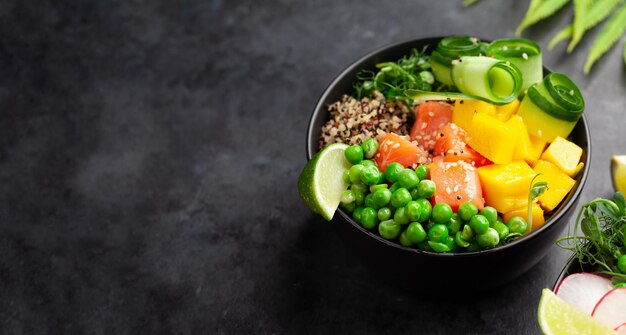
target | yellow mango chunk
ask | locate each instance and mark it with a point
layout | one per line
(559, 184)
(465, 109)
(537, 214)
(504, 112)
(564, 154)
(505, 187)
(492, 138)
(527, 149)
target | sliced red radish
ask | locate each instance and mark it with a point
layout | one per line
(583, 290)
(621, 329)
(611, 309)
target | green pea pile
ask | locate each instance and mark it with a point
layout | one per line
(395, 203)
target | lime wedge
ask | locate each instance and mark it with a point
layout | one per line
(321, 182)
(618, 172)
(557, 317)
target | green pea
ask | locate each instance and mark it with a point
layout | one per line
(389, 229)
(384, 214)
(460, 241)
(429, 224)
(502, 229)
(517, 224)
(401, 216)
(367, 162)
(347, 197)
(426, 188)
(467, 210)
(404, 240)
(355, 173)
(359, 199)
(369, 202)
(427, 77)
(394, 187)
(413, 210)
(346, 177)
(349, 207)
(442, 213)
(454, 224)
(449, 241)
(621, 263)
(473, 246)
(370, 175)
(377, 187)
(356, 215)
(424, 246)
(479, 224)
(438, 246)
(400, 197)
(358, 188)
(391, 173)
(415, 232)
(426, 210)
(490, 213)
(381, 197)
(414, 193)
(423, 172)
(354, 154)
(369, 218)
(408, 179)
(381, 178)
(438, 232)
(467, 233)
(370, 146)
(489, 239)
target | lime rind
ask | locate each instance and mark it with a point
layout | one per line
(321, 182)
(557, 317)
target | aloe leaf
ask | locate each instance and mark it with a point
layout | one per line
(593, 13)
(539, 10)
(564, 34)
(610, 34)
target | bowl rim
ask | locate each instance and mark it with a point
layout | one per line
(319, 106)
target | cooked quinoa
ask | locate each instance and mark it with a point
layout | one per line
(352, 121)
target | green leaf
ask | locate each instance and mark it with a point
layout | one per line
(593, 13)
(581, 8)
(564, 34)
(539, 10)
(469, 2)
(610, 34)
(536, 189)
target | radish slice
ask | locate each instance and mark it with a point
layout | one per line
(583, 290)
(611, 309)
(621, 330)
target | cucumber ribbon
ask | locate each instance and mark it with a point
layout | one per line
(477, 77)
(449, 49)
(558, 96)
(521, 52)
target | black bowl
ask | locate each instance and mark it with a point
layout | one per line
(412, 268)
(572, 266)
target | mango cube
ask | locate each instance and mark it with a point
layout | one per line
(465, 109)
(505, 187)
(504, 112)
(559, 184)
(528, 148)
(564, 154)
(492, 138)
(537, 215)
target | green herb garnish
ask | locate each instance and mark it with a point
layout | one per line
(393, 78)
(603, 223)
(536, 189)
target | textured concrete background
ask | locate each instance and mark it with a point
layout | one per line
(149, 152)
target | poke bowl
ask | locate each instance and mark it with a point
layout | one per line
(413, 268)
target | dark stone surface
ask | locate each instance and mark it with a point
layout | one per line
(149, 154)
